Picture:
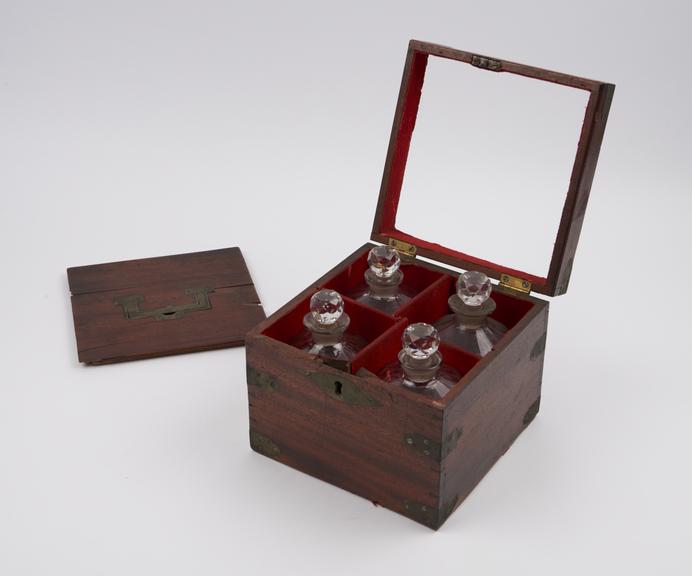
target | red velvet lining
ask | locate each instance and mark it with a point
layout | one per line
(386, 350)
(509, 310)
(383, 332)
(365, 322)
(374, 356)
(409, 113)
(431, 305)
(350, 280)
(395, 180)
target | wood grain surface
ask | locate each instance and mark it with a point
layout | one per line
(105, 335)
(417, 456)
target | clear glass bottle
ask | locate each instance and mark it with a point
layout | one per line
(326, 328)
(420, 365)
(469, 326)
(383, 279)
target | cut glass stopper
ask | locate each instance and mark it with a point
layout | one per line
(420, 365)
(383, 261)
(473, 288)
(326, 307)
(420, 340)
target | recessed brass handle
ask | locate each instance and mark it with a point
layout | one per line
(131, 310)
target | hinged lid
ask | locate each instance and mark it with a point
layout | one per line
(161, 306)
(384, 227)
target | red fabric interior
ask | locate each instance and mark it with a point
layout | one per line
(388, 228)
(376, 355)
(431, 305)
(386, 350)
(350, 280)
(365, 322)
(383, 332)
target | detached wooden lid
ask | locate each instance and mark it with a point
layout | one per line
(384, 228)
(161, 306)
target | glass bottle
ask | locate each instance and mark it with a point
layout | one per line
(420, 366)
(469, 326)
(326, 328)
(383, 278)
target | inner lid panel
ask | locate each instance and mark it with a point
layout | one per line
(497, 173)
(489, 164)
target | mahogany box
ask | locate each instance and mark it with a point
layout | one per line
(417, 456)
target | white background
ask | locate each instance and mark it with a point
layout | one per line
(135, 129)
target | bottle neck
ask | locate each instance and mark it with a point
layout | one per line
(383, 288)
(327, 334)
(420, 371)
(471, 317)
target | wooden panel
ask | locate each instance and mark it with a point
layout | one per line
(217, 268)
(303, 414)
(105, 334)
(488, 414)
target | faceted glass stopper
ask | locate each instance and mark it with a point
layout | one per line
(420, 340)
(326, 306)
(473, 288)
(383, 261)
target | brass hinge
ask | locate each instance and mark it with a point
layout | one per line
(486, 63)
(404, 248)
(513, 283)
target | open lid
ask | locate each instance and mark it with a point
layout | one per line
(385, 228)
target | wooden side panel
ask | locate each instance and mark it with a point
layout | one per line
(224, 267)
(491, 411)
(348, 430)
(579, 189)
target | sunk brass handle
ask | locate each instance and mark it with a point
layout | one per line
(131, 311)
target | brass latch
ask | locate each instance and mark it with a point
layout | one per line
(131, 311)
(513, 283)
(404, 248)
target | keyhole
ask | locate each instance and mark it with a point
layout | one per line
(337, 388)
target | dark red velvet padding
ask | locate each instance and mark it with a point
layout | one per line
(351, 279)
(366, 322)
(386, 351)
(382, 332)
(431, 305)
